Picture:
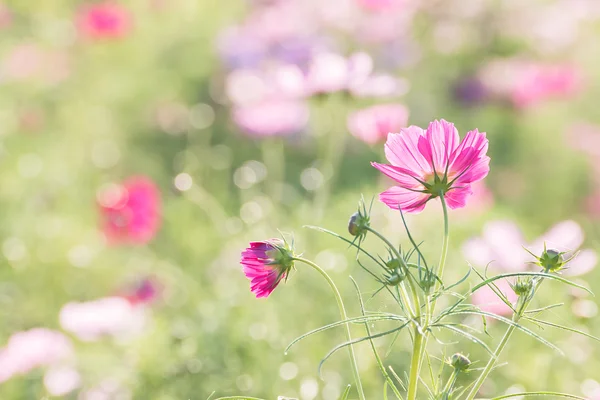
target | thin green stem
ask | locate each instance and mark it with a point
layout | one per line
(522, 304)
(387, 377)
(344, 317)
(419, 351)
(450, 383)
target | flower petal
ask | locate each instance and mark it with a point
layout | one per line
(457, 197)
(407, 200)
(442, 139)
(402, 176)
(401, 150)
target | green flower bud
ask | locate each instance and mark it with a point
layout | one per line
(395, 277)
(393, 264)
(551, 260)
(522, 287)
(460, 362)
(358, 224)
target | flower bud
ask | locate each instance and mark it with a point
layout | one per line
(395, 277)
(358, 224)
(460, 362)
(393, 264)
(522, 287)
(427, 280)
(551, 260)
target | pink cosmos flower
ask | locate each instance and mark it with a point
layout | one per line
(131, 211)
(266, 264)
(488, 301)
(107, 20)
(373, 124)
(272, 117)
(31, 349)
(109, 316)
(428, 163)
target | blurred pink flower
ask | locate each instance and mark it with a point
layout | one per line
(5, 16)
(330, 72)
(592, 204)
(29, 61)
(108, 19)
(502, 242)
(261, 262)
(373, 124)
(31, 349)
(61, 380)
(131, 211)
(488, 301)
(109, 316)
(528, 83)
(381, 5)
(500, 246)
(271, 117)
(426, 163)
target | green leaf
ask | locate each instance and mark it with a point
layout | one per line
(346, 393)
(467, 335)
(516, 325)
(539, 274)
(566, 328)
(361, 319)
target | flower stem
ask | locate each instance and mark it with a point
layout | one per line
(344, 317)
(522, 304)
(420, 341)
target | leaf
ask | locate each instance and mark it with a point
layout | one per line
(529, 394)
(360, 319)
(346, 393)
(539, 274)
(467, 335)
(512, 323)
(566, 328)
(354, 341)
(538, 310)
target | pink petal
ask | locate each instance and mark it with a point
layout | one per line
(401, 150)
(443, 140)
(409, 201)
(583, 263)
(400, 175)
(457, 198)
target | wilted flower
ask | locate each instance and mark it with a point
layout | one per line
(104, 20)
(131, 211)
(372, 125)
(432, 163)
(31, 349)
(272, 117)
(109, 316)
(267, 263)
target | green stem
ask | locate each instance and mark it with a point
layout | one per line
(420, 343)
(415, 363)
(450, 384)
(344, 317)
(521, 308)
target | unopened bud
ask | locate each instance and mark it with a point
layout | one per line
(551, 260)
(460, 362)
(522, 287)
(358, 224)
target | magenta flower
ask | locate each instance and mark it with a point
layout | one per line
(431, 163)
(106, 20)
(131, 211)
(372, 125)
(266, 264)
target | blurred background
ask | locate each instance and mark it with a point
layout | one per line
(144, 143)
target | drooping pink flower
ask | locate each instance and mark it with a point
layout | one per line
(131, 211)
(428, 163)
(373, 124)
(266, 264)
(31, 349)
(272, 117)
(109, 316)
(107, 20)
(487, 300)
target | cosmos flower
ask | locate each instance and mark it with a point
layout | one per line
(27, 350)
(109, 316)
(107, 20)
(266, 264)
(429, 163)
(131, 211)
(372, 125)
(272, 117)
